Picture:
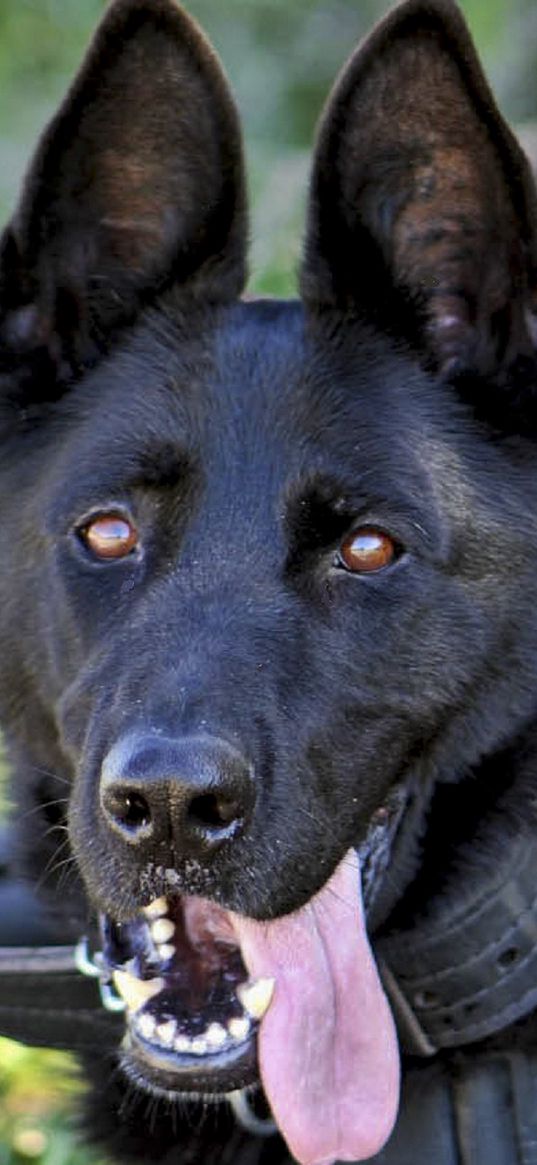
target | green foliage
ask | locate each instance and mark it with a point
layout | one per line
(36, 1105)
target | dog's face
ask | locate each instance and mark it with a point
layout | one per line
(262, 564)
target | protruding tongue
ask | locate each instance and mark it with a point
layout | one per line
(327, 1045)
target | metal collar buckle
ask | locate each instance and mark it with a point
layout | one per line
(247, 1118)
(94, 967)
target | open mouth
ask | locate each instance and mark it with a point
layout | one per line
(215, 1001)
(192, 1012)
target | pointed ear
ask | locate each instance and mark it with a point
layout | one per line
(422, 207)
(136, 184)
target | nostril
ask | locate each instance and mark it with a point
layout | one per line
(136, 811)
(214, 812)
(128, 809)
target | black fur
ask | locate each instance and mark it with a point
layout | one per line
(246, 440)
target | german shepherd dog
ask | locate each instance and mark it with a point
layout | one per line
(268, 569)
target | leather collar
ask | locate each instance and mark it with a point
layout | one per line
(468, 969)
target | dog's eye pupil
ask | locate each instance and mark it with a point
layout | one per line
(110, 536)
(367, 550)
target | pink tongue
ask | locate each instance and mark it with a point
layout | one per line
(327, 1046)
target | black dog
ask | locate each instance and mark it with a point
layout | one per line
(269, 585)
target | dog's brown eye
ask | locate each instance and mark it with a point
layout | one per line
(367, 550)
(110, 536)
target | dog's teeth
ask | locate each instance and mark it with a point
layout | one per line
(198, 1046)
(162, 930)
(238, 1029)
(167, 1032)
(156, 909)
(216, 1035)
(147, 1026)
(256, 997)
(165, 951)
(182, 1044)
(136, 992)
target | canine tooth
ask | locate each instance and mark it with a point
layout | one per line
(166, 1033)
(198, 1046)
(256, 998)
(162, 930)
(156, 909)
(238, 1028)
(216, 1035)
(135, 991)
(147, 1026)
(165, 951)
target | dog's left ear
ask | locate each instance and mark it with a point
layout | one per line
(422, 209)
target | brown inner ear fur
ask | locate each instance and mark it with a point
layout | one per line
(137, 182)
(428, 189)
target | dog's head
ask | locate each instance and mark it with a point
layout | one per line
(263, 564)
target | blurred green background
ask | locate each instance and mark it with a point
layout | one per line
(282, 56)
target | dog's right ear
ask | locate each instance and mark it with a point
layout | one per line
(136, 184)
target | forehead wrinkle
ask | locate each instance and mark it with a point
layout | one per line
(250, 407)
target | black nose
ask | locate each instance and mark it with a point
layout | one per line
(192, 793)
